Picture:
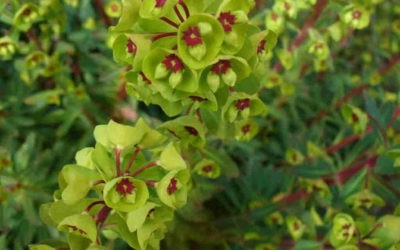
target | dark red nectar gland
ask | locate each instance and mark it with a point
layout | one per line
(243, 103)
(26, 12)
(261, 46)
(172, 62)
(75, 228)
(246, 128)
(172, 186)
(114, 7)
(197, 98)
(131, 47)
(357, 14)
(221, 67)
(160, 3)
(192, 36)
(227, 20)
(207, 169)
(191, 130)
(125, 187)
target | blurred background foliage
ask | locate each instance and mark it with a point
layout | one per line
(333, 118)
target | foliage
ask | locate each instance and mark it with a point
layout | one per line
(266, 124)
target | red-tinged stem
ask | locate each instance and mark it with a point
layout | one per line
(347, 173)
(141, 169)
(31, 34)
(100, 8)
(302, 35)
(376, 227)
(118, 161)
(151, 183)
(132, 159)
(88, 208)
(170, 22)
(99, 182)
(185, 8)
(178, 14)
(198, 113)
(343, 143)
(291, 198)
(102, 215)
(163, 35)
(356, 91)
(392, 61)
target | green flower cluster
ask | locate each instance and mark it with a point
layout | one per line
(191, 55)
(127, 186)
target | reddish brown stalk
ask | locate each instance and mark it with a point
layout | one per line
(102, 215)
(118, 161)
(170, 22)
(132, 159)
(151, 183)
(392, 61)
(100, 8)
(99, 182)
(141, 169)
(347, 173)
(302, 35)
(94, 204)
(356, 91)
(163, 35)
(178, 14)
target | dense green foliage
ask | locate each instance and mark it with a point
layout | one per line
(252, 124)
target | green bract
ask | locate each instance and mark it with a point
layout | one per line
(75, 182)
(152, 9)
(125, 194)
(242, 106)
(115, 135)
(199, 40)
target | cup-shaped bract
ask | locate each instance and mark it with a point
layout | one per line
(27, 15)
(172, 189)
(242, 106)
(207, 168)
(125, 193)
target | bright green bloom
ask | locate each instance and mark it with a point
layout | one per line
(242, 106)
(342, 230)
(125, 194)
(28, 14)
(295, 226)
(365, 199)
(207, 168)
(356, 16)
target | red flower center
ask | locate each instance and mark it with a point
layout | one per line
(4, 44)
(125, 187)
(172, 62)
(160, 3)
(144, 78)
(357, 14)
(221, 67)
(192, 36)
(191, 130)
(172, 186)
(287, 6)
(243, 103)
(114, 7)
(261, 46)
(131, 47)
(75, 228)
(227, 20)
(274, 16)
(246, 128)
(207, 169)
